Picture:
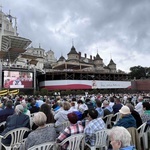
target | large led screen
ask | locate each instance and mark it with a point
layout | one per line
(18, 79)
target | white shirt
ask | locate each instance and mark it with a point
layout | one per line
(139, 108)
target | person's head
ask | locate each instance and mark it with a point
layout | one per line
(117, 100)
(131, 107)
(85, 114)
(111, 99)
(9, 103)
(24, 104)
(33, 102)
(98, 103)
(119, 137)
(72, 117)
(40, 119)
(74, 99)
(146, 105)
(140, 98)
(80, 102)
(66, 106)
(19, 109)
(105, 103)
(125, 111)
(45, 108)
(72, 104)
(92, 113)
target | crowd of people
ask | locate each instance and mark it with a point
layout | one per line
(85, 114)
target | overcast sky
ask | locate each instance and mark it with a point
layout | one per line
(117, 29)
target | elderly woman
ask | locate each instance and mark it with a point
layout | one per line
(17, 120)
(42, 134)
(120, 138)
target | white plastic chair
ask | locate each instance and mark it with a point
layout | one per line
(117, 115)
(108, 120)
(101, 140)
(17, 136)
(2, 123)
(65, 124)
(143, 135)
(44, 146)
(75, 142)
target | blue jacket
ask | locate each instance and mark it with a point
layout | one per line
(126, 122)
(4, 113)
(16, 121)
(128, 148)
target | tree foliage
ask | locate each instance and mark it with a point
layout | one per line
(139, 72)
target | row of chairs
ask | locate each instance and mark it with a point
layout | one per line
(143, 135)
(75, 142)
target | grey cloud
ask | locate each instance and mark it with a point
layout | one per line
(89, 23)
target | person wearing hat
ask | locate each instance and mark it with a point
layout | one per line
(126, 120)
(74, 128)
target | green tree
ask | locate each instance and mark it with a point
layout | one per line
(138, 72)
(44, 91)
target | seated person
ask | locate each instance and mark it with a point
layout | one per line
(107, 108)
(42, 134)
(17, 120)
(61, 116)
(4, 113)
(33, 108)
(135, 114)
(146, 109)
(74, 128)
(82, 106)
(126, 120)
(117, 106)
(95, 124)
(99, 108)
(46, 109)
(120, 139)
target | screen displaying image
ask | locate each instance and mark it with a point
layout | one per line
(16, 79)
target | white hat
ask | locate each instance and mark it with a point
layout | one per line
(125, 110)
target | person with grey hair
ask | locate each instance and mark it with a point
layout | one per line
(17, 120)
(42, 134)
(120, 138)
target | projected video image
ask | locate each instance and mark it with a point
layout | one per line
(16, 79)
